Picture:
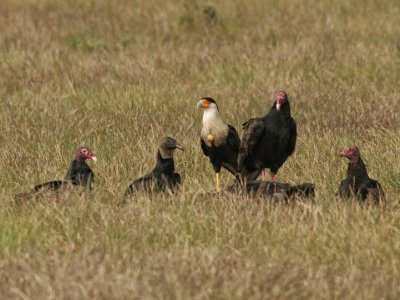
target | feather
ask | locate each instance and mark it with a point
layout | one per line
(267, 141)
(163, 176)
(358, 184)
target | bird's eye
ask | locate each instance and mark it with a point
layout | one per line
(84, 151)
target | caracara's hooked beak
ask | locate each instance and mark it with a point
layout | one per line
(203, 103)
(179, 146)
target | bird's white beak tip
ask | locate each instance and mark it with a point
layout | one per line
(94, 158)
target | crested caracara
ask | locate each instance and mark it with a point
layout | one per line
(219, 141)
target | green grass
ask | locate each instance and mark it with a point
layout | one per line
(119, 75)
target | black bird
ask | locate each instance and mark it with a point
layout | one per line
(267, 141)
(357, 183)
(274, 190)
(163, 175)
(219, 141)
(79, 175)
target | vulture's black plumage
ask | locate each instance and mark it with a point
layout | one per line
(219, 141)
(267, 141)
(163, 176)
(357, 183)
(273, 190)
(79, 175)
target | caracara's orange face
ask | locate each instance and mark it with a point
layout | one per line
(203, 103)
(207, 102)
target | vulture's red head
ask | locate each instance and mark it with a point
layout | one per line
(352, 153)
(281, 99)
(84, 153)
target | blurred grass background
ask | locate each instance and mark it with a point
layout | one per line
(118, 75)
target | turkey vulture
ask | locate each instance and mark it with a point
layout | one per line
(163, 175)
(79, 175)
(219, 141)
(267, 141)
(357, 183)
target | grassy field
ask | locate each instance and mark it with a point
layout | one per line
(118, 75)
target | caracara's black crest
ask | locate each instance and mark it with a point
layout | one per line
(211, 100)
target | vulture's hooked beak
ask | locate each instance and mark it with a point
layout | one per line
(279, 102)
(179, 146)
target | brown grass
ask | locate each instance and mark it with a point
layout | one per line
(118, 75)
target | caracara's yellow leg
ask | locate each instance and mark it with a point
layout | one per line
(217, 180)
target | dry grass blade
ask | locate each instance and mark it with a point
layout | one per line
(117, 76)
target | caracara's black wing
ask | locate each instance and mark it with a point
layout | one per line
(292, 137)
(204, 147)
(231, 150)
(252, 132)
(233, 138)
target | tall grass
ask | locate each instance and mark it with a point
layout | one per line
(117, 76)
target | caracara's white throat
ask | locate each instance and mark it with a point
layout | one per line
(213, 125)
